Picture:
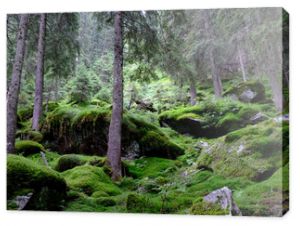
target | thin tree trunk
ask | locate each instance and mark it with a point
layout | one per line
(115, 127)
(215, 75)
(193, 92)
(242, 64)
(39, 80)
(14, 88)
(218, 89)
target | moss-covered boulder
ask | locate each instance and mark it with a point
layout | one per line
(254, 152)
(248, 92)
(46, 185)
(155, 145)
(213, 118)
(66, 162)
(28, 147)
(30, 135)
(83, 129)
(89, 179)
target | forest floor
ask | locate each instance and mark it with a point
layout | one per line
(171, 158)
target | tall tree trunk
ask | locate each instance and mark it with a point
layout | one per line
(115, 127)
(14, 88)
(242, 64)
(193, 92)
(215, 76)
(39, 79)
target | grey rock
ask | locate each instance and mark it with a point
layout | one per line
(223, 197)
(247, 96)
(22, 200)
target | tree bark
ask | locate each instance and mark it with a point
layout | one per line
(193, 92)
(115, 127)
(39, 79)
(14, 88)
(242, 64)
(218, 89)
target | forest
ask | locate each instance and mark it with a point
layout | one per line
(166, 112)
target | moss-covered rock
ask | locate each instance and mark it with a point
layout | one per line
(249, 92)
(28, 147)
(89, 179)
(47, 186)
(83, 129)
(30, 135)
(212, 118)
(66, 162)
(154, 144)
(254, 152)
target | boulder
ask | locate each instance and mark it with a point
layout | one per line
(223, 198)
(248, 92)
(47, 187)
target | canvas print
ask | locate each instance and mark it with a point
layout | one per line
(163, 112)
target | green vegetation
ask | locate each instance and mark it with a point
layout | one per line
(46, 185)
(126, 114)
(27, 147)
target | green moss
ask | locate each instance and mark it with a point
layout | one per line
(51, 157)
(205, 182)
(27, 147)
(265, 198)
(204, 159)
(30, 135)
(98, 194)
(211, 118)
(49, 188)
(204, 208)
(89, 179)
(253, 85)
(66, 162)
(154, 144)
(105, 201)
(150, 167)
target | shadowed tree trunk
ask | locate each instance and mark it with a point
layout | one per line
(14, 88)
(115, 127)
(193, 92)
(39, 79)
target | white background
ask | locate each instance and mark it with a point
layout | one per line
(74, 219)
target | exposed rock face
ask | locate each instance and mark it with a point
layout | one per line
(223, 197)
(247, 96)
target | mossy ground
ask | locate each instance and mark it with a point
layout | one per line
(173, 170)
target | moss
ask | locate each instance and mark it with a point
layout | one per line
(154, 144)
(89, 179)
(253, 85)
(98, 194)
(211, 118)
(205, 182)
(265, 198)
(49, 188)
(27, 147)
(66, 162)
(30, 135)
(150, 167)
(204, 159)
(105, 201)
(25, 113)
(204, 208)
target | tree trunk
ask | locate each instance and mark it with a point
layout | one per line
(193, 92)
(215, 76)
(14, 88)
(242, 64)
(115, 127)
(39, 79)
